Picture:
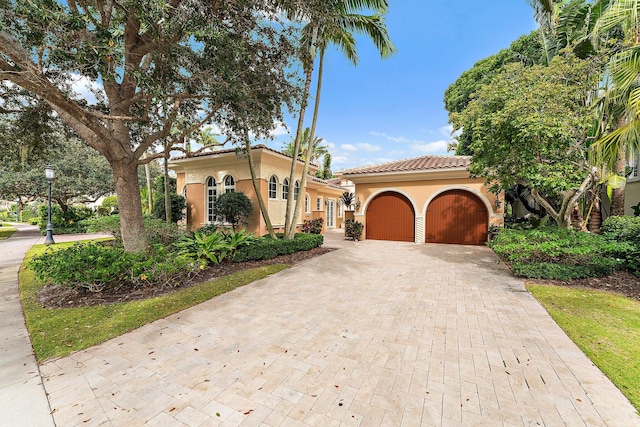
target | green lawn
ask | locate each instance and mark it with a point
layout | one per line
(59, 332)
(6, 230)
(604, 325)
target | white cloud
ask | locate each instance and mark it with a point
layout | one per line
(430, 147)
(377, 133)
(86, 88)
(349, 147)
(280, 129)
(398, 139)
(446, 130)
(340, 160)
(330, 145)
(368, 147)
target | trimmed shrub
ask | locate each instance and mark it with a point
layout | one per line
(157, 230)
(353, 229)
(178, 203)
(554, 253)
(69, 222)
(235, 207)
(267, 248)
(312, 227)
(28, 214)
(96, 266)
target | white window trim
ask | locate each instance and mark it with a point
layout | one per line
(207, 196)
(319, 201)
(225, 188)
(285, 188)
(269, 188)
(307, 203)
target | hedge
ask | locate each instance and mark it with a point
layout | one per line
(267, 248)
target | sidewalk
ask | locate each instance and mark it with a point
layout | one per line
(22, 395)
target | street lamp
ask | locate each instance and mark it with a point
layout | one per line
(49, 173)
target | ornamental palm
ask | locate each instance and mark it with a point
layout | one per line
(338, 28)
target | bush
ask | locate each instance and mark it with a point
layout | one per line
(312, 227)
(178, 203)
(27, 215)
(545, 270)
(621, 228)
(213, 247)
(561, 254)
(157, 230)
(69, 222)
(96, 266)
(353, 229)
(234, 207)
(267, 248)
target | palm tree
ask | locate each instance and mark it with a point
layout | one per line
(338, 28)
(623, 94)
(317, 151)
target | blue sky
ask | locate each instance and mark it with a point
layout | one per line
(391, 109)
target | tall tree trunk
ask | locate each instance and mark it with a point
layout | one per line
(617, 194)
(125, 174)
(310, 148)
(289, 222)
(147, 173)
(256, 188)
(167, 196)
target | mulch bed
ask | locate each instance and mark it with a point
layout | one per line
(621, 282)
(56, 296)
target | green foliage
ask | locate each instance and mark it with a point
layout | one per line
(97, 266)
(353, 229)
(626, 231)
(636, 209)
(70, 222)
(560, 253)
(110, 205)
(313, 226)
(158, 231)
(6, 231)
(267, 248)
(213, 247)
(347, 199)
(178, 203)
(235, 207)
(27, 214)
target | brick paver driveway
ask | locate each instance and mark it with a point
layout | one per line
(377, 333)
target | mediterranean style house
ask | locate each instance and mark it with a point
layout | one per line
(428, 199)
(204, 176)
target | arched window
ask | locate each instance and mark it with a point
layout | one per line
(307, 204)
(229, 184)
(296, 190)
(285, 189)
(273, 187)
(211, 198)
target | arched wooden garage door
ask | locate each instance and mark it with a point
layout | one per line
(390, 216)
(458, 217)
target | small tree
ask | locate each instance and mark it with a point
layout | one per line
(178, 203)
(234, 207)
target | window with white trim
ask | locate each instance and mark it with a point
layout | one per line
(296, 190)
(211, 198)
(318, 203)
(307, 204)
(285, 189)
(229, 184)
(273, 187)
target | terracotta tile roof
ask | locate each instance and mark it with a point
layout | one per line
(329, 182)
(415, 164)
(231, 150)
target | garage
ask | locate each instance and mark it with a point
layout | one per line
(456, 217)
(390, 216)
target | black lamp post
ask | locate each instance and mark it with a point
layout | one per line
(49, 172)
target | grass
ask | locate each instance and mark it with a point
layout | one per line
(61, 331)
(6, 230)
(605, 326)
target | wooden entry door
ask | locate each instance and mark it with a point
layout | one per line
(390, 216)
(458, 217)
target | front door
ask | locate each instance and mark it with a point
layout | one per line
(331, 213)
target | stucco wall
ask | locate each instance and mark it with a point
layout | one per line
(420, 192)
(631, 196)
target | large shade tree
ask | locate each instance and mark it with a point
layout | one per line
(531, 127)
(159, 70)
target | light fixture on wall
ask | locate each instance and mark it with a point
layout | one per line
(358, 204)
(497, 202)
